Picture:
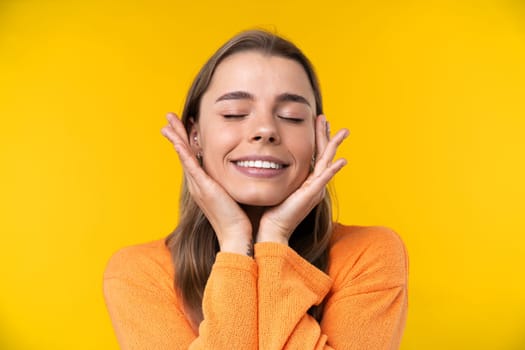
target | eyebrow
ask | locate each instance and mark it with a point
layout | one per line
(243, 95)
(288, 97)
(236, 95)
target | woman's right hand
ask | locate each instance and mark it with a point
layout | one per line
(231, 224)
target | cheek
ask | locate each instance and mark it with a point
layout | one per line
(303, 149)
(215, 147)
(217, 140)
(306, 159)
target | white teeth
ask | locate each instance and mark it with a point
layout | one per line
(258, 164)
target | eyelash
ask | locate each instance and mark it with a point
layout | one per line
(289, 119)
(292, 120)
(233, 116)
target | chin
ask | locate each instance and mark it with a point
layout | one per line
(259, 201)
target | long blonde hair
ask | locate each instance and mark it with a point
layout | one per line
(193, 244)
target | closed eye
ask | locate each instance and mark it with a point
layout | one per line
(234, 116)
(291, 119)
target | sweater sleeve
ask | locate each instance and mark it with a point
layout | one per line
(147, 314)
(288, 286)
(365, 294)
(229, 305)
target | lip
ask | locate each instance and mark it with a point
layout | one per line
(265, 173)
(261, 157)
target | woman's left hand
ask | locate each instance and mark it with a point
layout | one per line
(278, 223)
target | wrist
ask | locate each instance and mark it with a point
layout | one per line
(269, 232)
(272, 238)
(237, 246)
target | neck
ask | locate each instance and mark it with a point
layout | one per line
(254, 214)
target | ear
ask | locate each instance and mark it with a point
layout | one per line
(194, 136)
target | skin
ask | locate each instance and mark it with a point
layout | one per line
(256, 105)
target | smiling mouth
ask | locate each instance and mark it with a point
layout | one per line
(260, 164)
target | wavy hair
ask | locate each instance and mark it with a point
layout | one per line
(193, 243)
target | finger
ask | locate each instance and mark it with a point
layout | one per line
(313, 189)
(333, 169)
(176, 133)
(321, 134)
(330, 150)
(178, 142)
(191, 166)
(317, 184)
(177, 126)
(185, 155)
(172, 118)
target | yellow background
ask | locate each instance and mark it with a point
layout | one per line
(432, 91)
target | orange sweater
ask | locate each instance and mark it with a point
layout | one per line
(262, 302)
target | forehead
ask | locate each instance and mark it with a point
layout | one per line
(260, 74)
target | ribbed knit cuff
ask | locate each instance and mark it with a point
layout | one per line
(316, 280)
(235, 261)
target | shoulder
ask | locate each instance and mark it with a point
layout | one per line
(148, 264)
(373, 240)
(357, 251)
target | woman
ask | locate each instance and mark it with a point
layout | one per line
(255, 261)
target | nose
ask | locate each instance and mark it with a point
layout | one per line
(265, 130)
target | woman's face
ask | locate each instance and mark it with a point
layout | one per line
(256, 127)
